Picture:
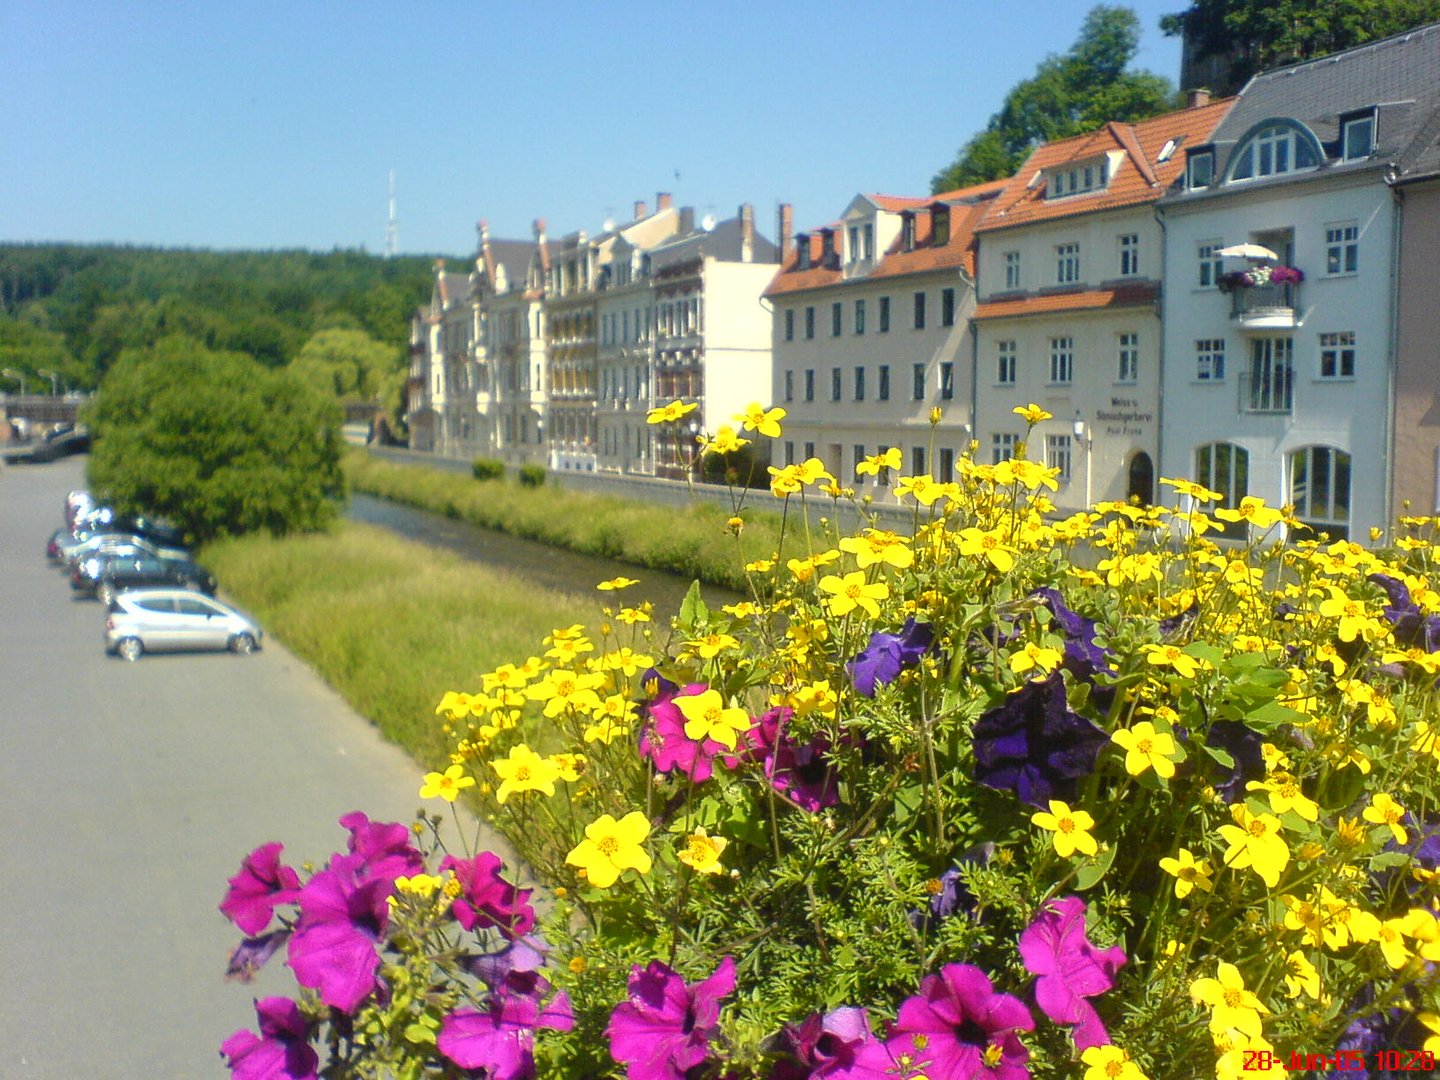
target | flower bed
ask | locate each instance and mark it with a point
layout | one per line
(946, 805)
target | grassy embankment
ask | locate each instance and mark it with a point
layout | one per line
(692, 541)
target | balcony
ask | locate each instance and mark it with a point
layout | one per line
(1267, 390)
(1264, 297)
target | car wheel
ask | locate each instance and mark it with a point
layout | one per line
(243, 644)
(105, 592)
(130, 649)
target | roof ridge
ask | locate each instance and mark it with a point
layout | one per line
(1125, 135)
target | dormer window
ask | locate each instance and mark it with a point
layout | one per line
(1275, 150)
(1358, 137)
(802, 251)
(1199, 169)
(940, 226)
(907, 231)
(1079, 179)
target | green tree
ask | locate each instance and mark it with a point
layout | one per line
(1249, 36)
(1070, 94)
(214, 441)
(349, 364)
(29, 350)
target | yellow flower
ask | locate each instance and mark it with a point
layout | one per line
(611, 847)
(706, 717)
(564, 689)
(1109, 1062)
(1032, 414)
(766, 422)
(1255, 842)
(702, 852)
(1431, 1022)
(1231, 1005)
(1301, 976)
(724, 441)
(617, 583)
(886, 459)
(1170, 656)
(1383, 810)
(1391, 938)
(1355, 621)
(446, 785)
(1188, 874)
(1146, 748)
(1254, 511)
(990, 544)
(1071, 829)
(1037, 657)
(1192, 489)
(712, 645)
(419, 885)
(851, 591)
(1285, 794)
(524, 770)
(879, 546)
(630, 616)
(666, 414)
(923, 489)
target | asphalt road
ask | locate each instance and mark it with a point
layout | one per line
(128, 794)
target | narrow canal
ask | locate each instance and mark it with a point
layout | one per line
(545, 566)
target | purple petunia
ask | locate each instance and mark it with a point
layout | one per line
(882, 660)
(262, 883)
(1034, 745)
(802, 772)
(514, 969)
(486, 899)
(252, 954)
(664, 740)
(501, 1039)
(281, 1051)
(958, 1026)
(1070, 969)
(342, 920)
(1084, 658)
(952, 894)
(664, 1028)
(1410, 625)
(384, 848)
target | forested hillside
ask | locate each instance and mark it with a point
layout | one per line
(74, 309)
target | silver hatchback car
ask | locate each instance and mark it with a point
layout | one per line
(175, 620)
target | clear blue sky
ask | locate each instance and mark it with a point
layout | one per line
(271, 124)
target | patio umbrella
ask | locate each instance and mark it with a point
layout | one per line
(1247, 251)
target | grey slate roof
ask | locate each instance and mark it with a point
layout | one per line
(722, 243)
(1398, 76)
(514, 256)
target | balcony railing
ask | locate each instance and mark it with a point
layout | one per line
(1268, 390)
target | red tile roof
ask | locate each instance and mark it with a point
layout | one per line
(1139, 178)
(1077, 300)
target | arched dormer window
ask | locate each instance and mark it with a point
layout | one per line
(1274, 148)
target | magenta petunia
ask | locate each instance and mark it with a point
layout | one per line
(281, 1051)
(515, 969)
(342, 920)
(501, 1039)
(958, 1027)
(802, 772)
(486, 899)
(1070, 969)
(664, 1028)
(262, 883)
(665, 743)
(835, 1046)
(384, 848)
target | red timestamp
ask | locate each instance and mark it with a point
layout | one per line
(1384, 1061)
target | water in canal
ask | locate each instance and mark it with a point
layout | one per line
(546, 566)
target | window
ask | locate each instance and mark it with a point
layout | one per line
(1003, 446)
(907, 231)
(854, 251)
(835, 319)
(917, 386)
(789, 386)
(859, 316)
(917, 461)
(882, 390)
(884, 314)
(809, 322)
(1129, 255)
(867, 238)
(789, 452)
(947, 465)
(1269, 386)
(1274, 151)
(1210, 359)
(789, 324)
(1320, 489)
(1129, 357)
(835, 384)
(858, 450)
(1012, 270)
(809, 450)
(1199, 169)
(919, 311)
(802, 251)
(1337, 355)
(1078, 179)
(859, 384)
(947, 381)
(947, 307)
(1209, 262)
(809, 384)
(1057, 454)
(940, 230)
(1225, 468)
(1005, 366)
(1062, 360)
(1067, 264)
(1342, 248)
(1359, 138)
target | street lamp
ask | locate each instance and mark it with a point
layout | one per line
(10, 373)
(54, 381)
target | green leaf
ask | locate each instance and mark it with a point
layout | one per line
(1222, 757)
(693, 612)
(1089, 875)
(419, 1033)
(1389, 860)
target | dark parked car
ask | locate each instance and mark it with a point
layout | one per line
(106, 575)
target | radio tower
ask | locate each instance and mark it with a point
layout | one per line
(391, 239)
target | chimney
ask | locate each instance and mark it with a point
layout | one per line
(687, 220)
(539, 228)
(662, 201)
(1194, 99)
(784, 229)
(482, 228)
(747, 233)
(641, 210)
